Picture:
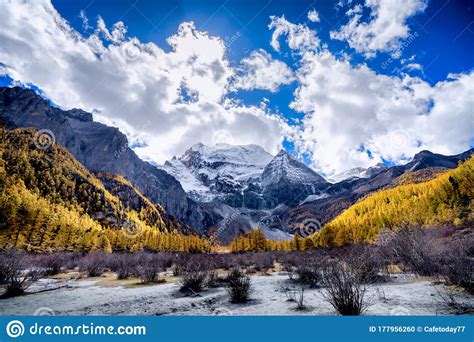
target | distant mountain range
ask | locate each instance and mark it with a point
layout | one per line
(358, 172)
(244, 176)
(221, 190)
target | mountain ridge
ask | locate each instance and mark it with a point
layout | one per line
(101, 149)
(230, 190)
(50, 201)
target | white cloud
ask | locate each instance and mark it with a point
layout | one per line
(384, 30)
(351, 109)
(414, 66)
(313, 16)
(118, 33)
(166, 100)
(85, 20)
(298, 36)
(261, 71)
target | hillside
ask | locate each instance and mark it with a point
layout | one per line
(449, 198)
(101, 148)
(50, 201)
(418, 176)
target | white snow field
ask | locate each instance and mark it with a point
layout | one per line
(403, 295)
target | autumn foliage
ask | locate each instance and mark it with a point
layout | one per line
(447, 199)
(51, 202)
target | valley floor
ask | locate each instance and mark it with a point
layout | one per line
(403, 295)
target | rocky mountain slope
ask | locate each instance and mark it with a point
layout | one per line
(244, 185)
(342, 195)
(244, 176)
(446, 199)
(101, 149)
(357, 172)
(218, 173)
(50, 201)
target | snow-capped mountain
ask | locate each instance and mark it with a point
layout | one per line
(244, 176)
(357, 172)
(288, 181)
(286, 167)
(245, 187)
(207, 173)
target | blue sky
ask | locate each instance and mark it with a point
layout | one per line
(443, 44)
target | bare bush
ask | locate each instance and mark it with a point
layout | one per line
(295, 294)
(52, 263)
(309, 274)
(124, 264)
(343, 290)
(416, 249)
(149, 269)
(457, 267)
(223, 261)
(367, 263)
(4, 268)
(299, 298)
(451, 299)
(93, 264)
(289, 263)
(13, 266)
(238, 286)
(71, 260)
(180, 262)
(194, 276)
(263, 262)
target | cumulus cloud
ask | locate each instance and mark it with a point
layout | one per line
(356, 117)
(385, 28)
(313, 16)
(414, 66)
(298, 36)
(261, 71)
(166, 101)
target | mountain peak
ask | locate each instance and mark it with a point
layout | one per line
(422, 154)
(285, 166)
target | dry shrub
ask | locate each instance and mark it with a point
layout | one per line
(343, 289)
(94, 263)
(124, 264)
(238, 286)
(457, 266)
(194, 275)
(367, 263)
(52, 263)
(149, 268)
(417, 249)
(15, 274)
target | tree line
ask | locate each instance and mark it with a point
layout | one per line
(51, 202)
